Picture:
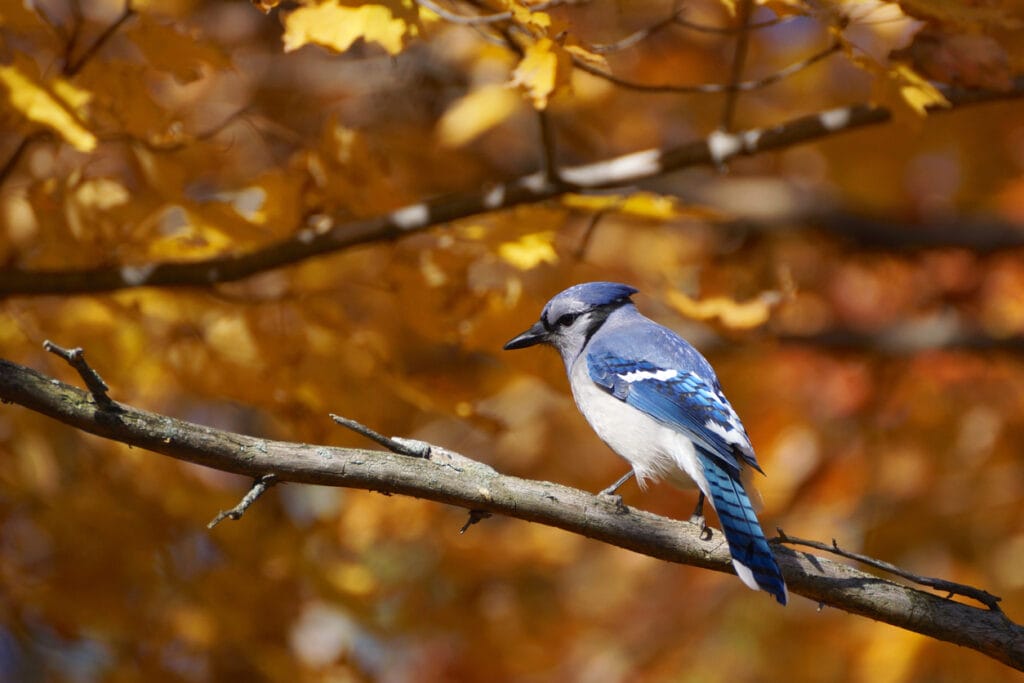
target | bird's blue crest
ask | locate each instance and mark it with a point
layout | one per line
(585, 296)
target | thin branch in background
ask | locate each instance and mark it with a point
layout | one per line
(72, 67)
(463, 19)
(93, 382)
(414, 449)
(333, 233)
(675, 18)
(76, 31)
(728, 30)
(588, 233)
(982, 596)
(708, 87)
(19, 151)
(479, 19)
(180, 144)
(547, 146)
(259, 487)
(739, 60)
(640, 35)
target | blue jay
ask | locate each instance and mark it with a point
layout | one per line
(655, 400)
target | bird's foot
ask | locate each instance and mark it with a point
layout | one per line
(702, 524)
(614, 498)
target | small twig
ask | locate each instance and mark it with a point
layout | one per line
(259, 486)
(93, 382)
(463, 19)
(73, 67)
(588, 233)
(741, 86)
(641, 34)
(951, 587)
(475, 516)
(547, 145)
(739, 60)
(725, 30)
(19, 151)
(676, 18)
(415, 449)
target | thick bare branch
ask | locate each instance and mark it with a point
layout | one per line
(477, 487)
(326, 235)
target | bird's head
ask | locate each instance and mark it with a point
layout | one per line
(572, 316)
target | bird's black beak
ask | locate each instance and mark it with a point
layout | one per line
(535, 335)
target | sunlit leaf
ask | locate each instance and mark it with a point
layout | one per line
(476, 113)
(640, 204)
(102, 194)
(543, 69)
(732, 314)
(901, 88)
(916, 91)
(48, 108)
(529, 251)
(337, 27)
(525, 15)
(592, 58)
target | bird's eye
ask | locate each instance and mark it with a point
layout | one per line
(567, 319)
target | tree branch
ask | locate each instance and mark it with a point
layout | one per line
(474, 486)
(259, 487)
(325, 235)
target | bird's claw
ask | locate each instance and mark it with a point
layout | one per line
(614, 498)
(702, 524)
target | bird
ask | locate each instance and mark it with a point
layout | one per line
(656, 401)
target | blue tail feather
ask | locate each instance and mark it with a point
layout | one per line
(747, 543)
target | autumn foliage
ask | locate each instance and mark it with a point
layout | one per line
(861, 294)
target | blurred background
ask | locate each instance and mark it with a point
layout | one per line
(862, 299)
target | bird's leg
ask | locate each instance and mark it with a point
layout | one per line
(610, 491)
(698, 518)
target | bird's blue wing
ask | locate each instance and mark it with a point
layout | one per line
(680, 399)
(695, 406)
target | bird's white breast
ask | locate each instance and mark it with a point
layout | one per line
(655, 450)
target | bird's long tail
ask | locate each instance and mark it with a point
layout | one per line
(751, 556)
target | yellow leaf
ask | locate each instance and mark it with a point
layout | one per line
(351, 578)
(72, 95)
(916, 91)
(476, 113)
(545, 67)
(901, 88)
(102, 194)
(338, 27)
(231, 336)
(733, 314)
(40, 105)
(529, 251)
(184, 235)
(641, 204)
